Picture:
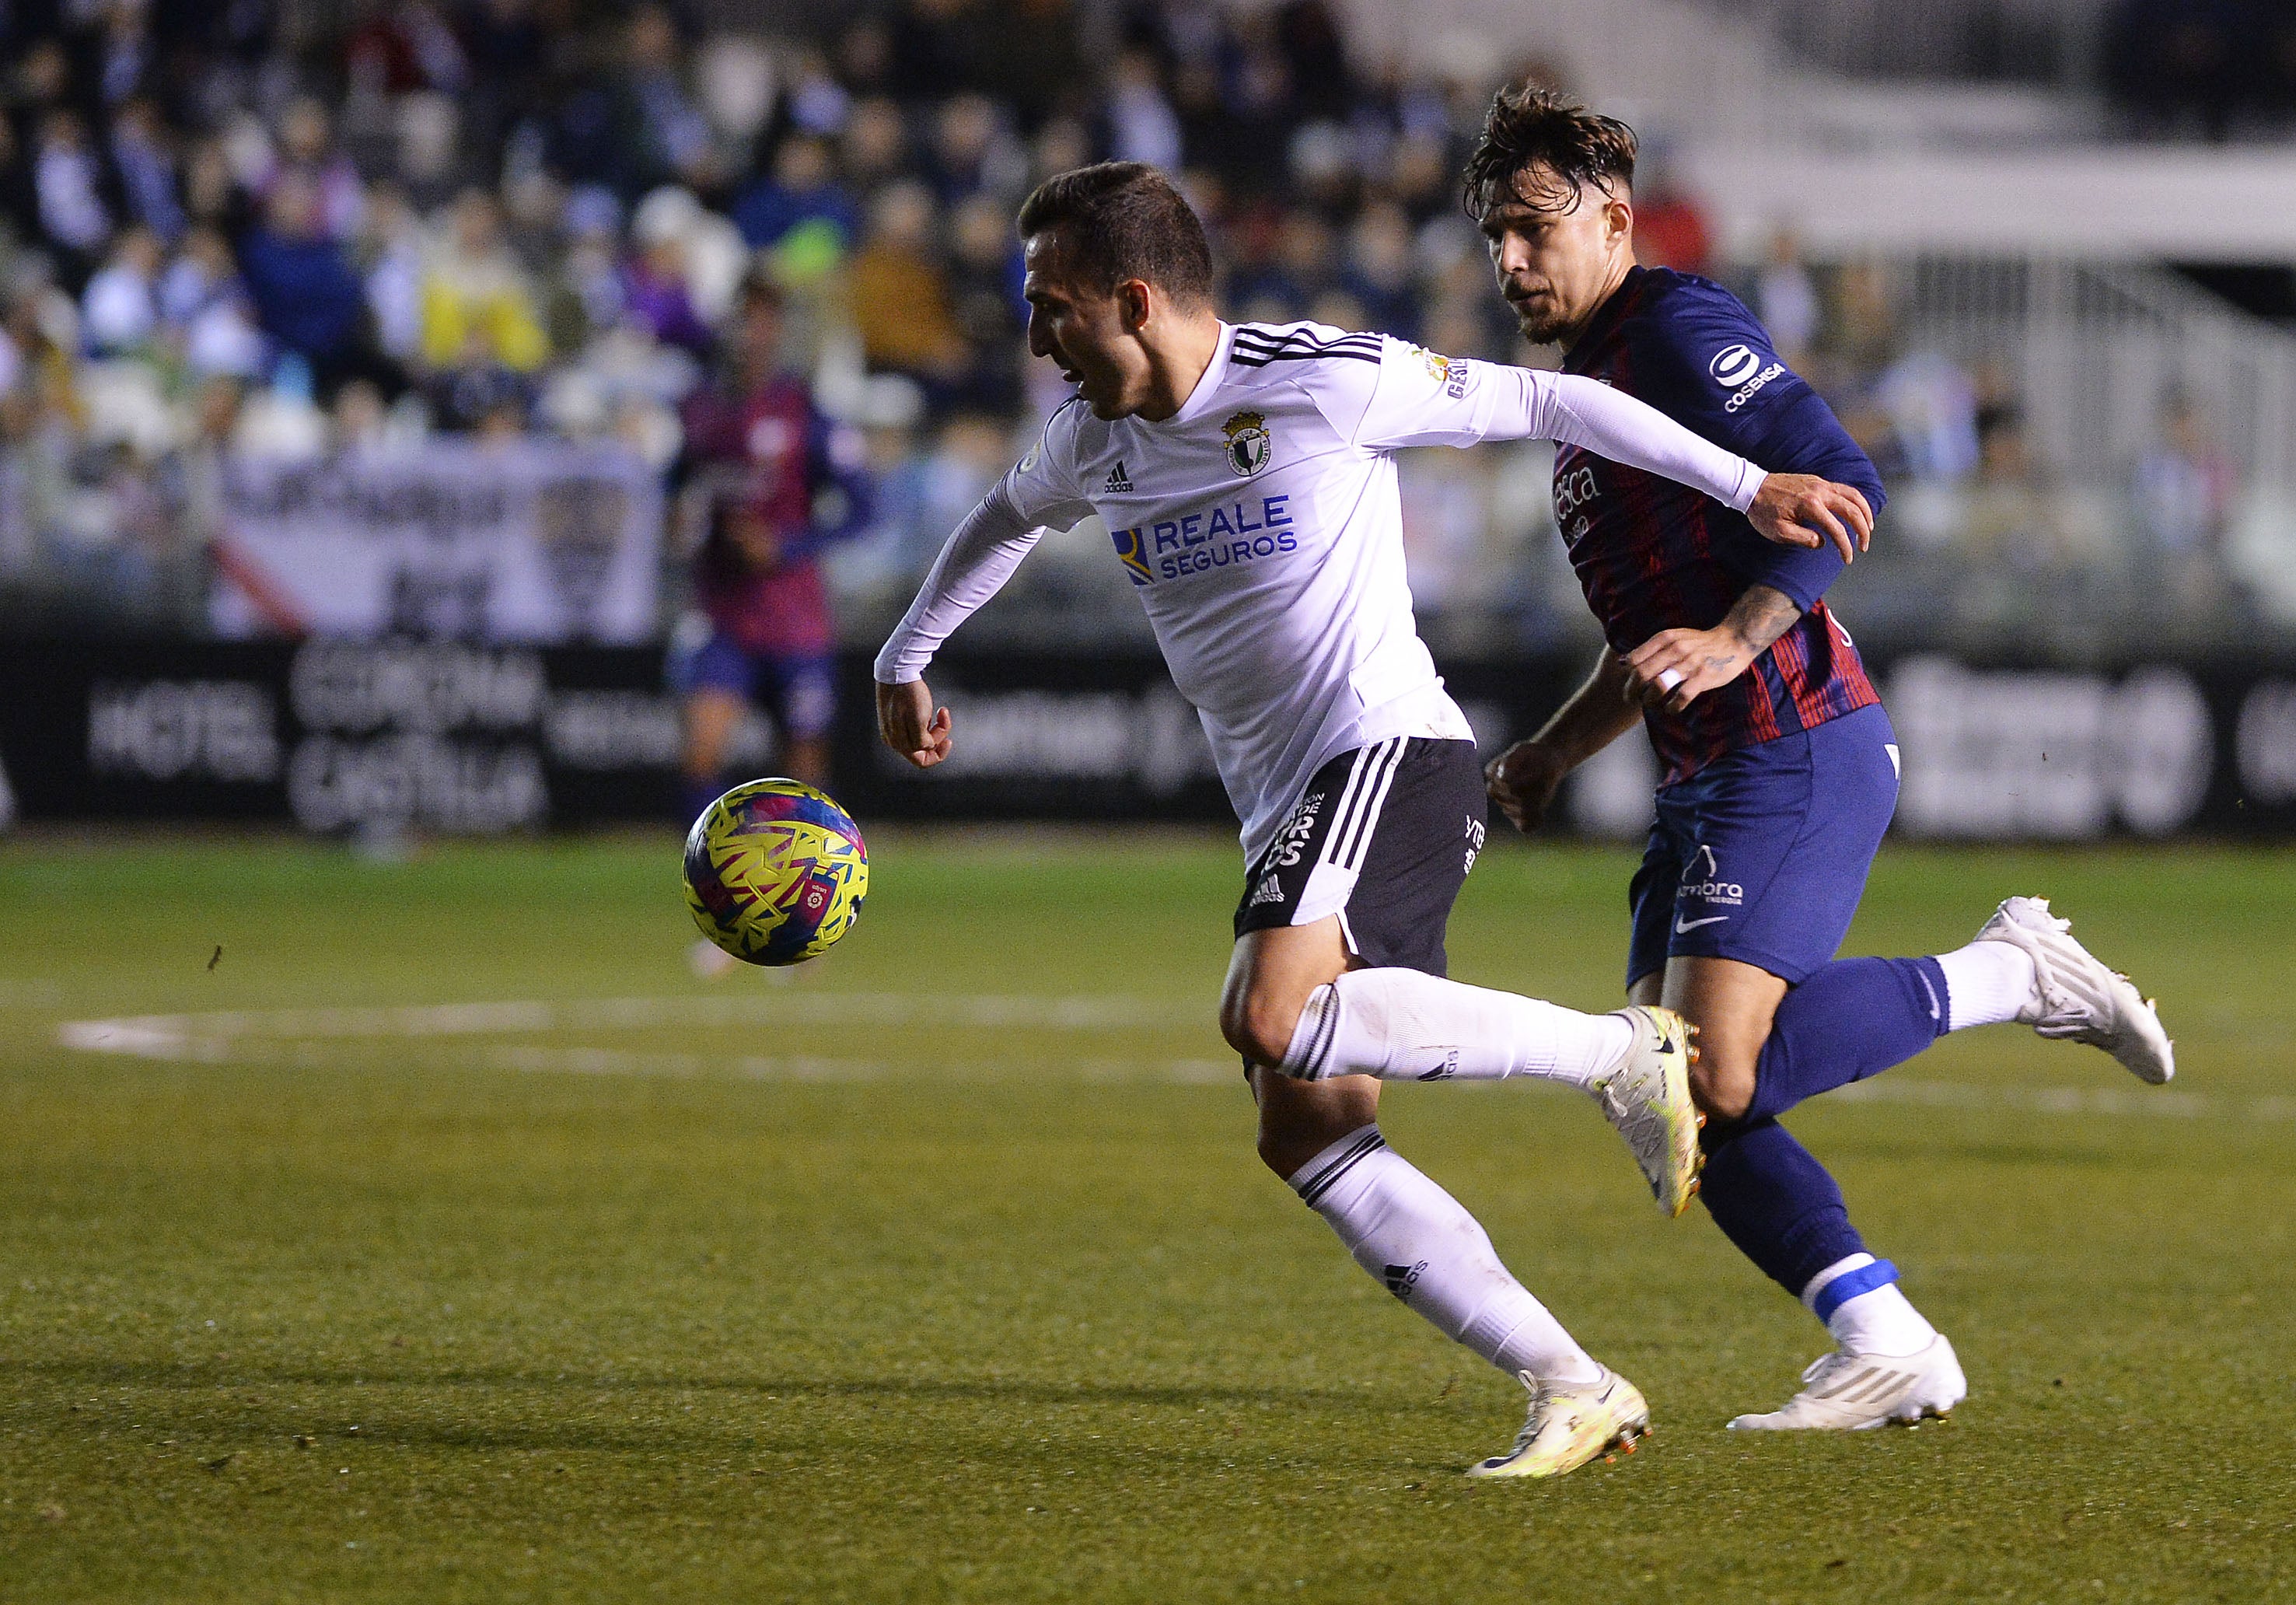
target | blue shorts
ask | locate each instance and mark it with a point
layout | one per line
(800, 690)
(1761, 856)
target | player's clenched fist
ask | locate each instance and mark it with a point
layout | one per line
(1522, 781)
(1803, 510)
(910, 724)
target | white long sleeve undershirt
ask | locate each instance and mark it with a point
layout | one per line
(1528, 404)
(1611, 424)
(1508, 403)
(980, 555)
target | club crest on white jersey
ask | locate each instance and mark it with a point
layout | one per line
(1262, 529)
(1250, 447)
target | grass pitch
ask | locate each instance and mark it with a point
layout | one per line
(943, 1271)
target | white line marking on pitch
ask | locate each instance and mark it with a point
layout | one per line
(293, 1035)
(528, 1057)
(2065, 1100)
(212, 1036)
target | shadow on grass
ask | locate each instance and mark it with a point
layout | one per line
(208, 1412)
(214, 1375)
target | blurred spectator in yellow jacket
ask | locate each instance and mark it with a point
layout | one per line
(478, 307)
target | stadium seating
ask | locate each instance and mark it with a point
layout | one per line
(455, 220)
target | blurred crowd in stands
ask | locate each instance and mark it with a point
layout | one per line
(220, 233)
(2211, 68)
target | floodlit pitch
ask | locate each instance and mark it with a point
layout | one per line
(447, 1240)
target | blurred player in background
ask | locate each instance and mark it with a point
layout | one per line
(1246, 476)
(778, 482)
(1781, 769)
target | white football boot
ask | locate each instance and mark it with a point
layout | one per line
(2076, 998)
(1851, 1393)
(1570, 1423)
(1648, 1099)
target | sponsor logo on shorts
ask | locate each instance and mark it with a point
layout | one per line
(1269, 890)
(1291, 838)
(1475, 833)
(1702, 882)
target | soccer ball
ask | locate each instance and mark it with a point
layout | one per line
(775, 872)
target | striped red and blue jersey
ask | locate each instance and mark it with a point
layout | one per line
(1652, 555)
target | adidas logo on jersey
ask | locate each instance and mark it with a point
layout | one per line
(1119, 483)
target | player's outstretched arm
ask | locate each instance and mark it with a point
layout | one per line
(980, 555)
(1523, 779)
(1676, 667)
(910, 724)
(1792, 509)
(1803, 510)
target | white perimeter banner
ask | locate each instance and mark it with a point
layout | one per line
(512, 541)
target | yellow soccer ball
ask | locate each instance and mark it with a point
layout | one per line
(775, 872)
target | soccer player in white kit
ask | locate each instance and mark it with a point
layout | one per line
(1244, 472)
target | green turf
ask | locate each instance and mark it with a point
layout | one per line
(925, 1309)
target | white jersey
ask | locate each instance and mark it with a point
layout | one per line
(1263, 530)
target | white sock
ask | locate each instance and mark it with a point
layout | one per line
(1988, 983)
(1403, 1025)
(1880, 1320)
(1427, 1251)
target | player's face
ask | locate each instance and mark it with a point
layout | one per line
(1556, 257)
(1092, 335)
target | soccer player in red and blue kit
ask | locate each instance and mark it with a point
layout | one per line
(1780, 766)
(782, 482)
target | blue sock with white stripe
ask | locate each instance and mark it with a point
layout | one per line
(1851, 1018)
(1771, 1197)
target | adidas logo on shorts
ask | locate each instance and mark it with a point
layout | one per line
(1269, 890)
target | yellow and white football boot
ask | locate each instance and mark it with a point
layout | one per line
(1570, 1423)
(1648, 1100)
(1853, 1393)
(2079, 1000)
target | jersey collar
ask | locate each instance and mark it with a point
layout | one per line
(1200, 399)
(1607, 317)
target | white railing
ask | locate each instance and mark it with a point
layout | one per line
(2096, 350)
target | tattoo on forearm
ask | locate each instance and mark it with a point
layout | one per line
(1761, 616)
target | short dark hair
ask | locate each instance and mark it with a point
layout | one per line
(1531, 125)
(1124, 220)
